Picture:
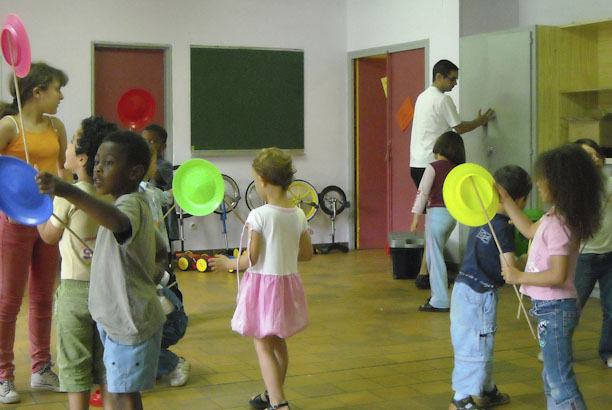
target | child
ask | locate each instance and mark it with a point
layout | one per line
(21, 248)
(171, 299)
(449, 151)
(122, 296)
(157, 137)
(161, 178)
(568, 179)
(79, 349)
(271, 301)
(473, 312)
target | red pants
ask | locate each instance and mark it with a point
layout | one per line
(24, 257)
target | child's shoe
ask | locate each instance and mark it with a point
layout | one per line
(493, 398)
(180, 374)
(45, 379)
(8, 394)
(464, 404)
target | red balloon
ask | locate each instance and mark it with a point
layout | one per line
(136, 108)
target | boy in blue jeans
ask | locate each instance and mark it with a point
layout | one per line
(474, 300)
(171, 298)
(122, 296)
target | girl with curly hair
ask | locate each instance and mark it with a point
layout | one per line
(568, 179)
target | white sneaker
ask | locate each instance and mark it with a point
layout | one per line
(609, 362)
(45, 379)
(180, 374)
(8, 394)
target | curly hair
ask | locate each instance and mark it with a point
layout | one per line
(275, 166)
(576, 187)
(93, 130)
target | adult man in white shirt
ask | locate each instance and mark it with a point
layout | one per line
(434, 114)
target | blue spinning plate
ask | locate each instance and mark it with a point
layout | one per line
(20, 199)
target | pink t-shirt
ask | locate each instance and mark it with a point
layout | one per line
(553, 238)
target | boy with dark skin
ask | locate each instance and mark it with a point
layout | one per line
(122, 300)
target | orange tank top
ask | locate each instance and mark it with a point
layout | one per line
(43, 147)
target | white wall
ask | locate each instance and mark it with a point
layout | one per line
(61, 33)
(376, 23)
(563, 12)
(484, 16)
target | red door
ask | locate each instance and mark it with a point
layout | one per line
(119, 69)
(406, 82)
(371, 147)
(384, 190)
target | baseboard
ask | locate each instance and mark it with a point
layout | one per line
(317, 247)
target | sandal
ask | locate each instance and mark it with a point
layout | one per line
(279, 405)
(258, 402)
(428, 308)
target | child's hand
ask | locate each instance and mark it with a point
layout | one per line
(503, 194)
(50, 184)
(220, 262)
(511, 275)
(414, 227)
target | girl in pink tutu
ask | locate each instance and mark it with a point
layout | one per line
(271, 300)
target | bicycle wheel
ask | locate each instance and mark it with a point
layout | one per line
(326, 200)
(251, 198)
(304, 195)
(231, 196)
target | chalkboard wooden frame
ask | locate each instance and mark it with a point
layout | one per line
(246, 99)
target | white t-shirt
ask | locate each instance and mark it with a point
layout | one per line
(281, 229)
(434, 114)
(76, 258)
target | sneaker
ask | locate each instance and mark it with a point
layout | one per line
(45, 379)
(422, 281)
(609, 362)
(493, 398)
(541, 356)
(180, 374)
(8, 394)
(464, 404)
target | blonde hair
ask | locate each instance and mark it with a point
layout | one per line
(275, 166)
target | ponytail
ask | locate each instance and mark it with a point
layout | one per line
(8, 108)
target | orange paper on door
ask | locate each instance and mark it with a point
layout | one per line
(404, 114)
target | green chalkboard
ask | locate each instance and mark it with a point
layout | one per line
(245, 99)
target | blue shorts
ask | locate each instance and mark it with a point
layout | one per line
(130, 368)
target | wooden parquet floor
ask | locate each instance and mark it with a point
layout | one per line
(367, 347)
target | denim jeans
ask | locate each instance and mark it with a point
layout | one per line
(174, 329)
(439, 224)
(593, 267)
(557, 320)
(473, 319)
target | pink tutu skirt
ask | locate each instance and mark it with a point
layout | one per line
(270, 305)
